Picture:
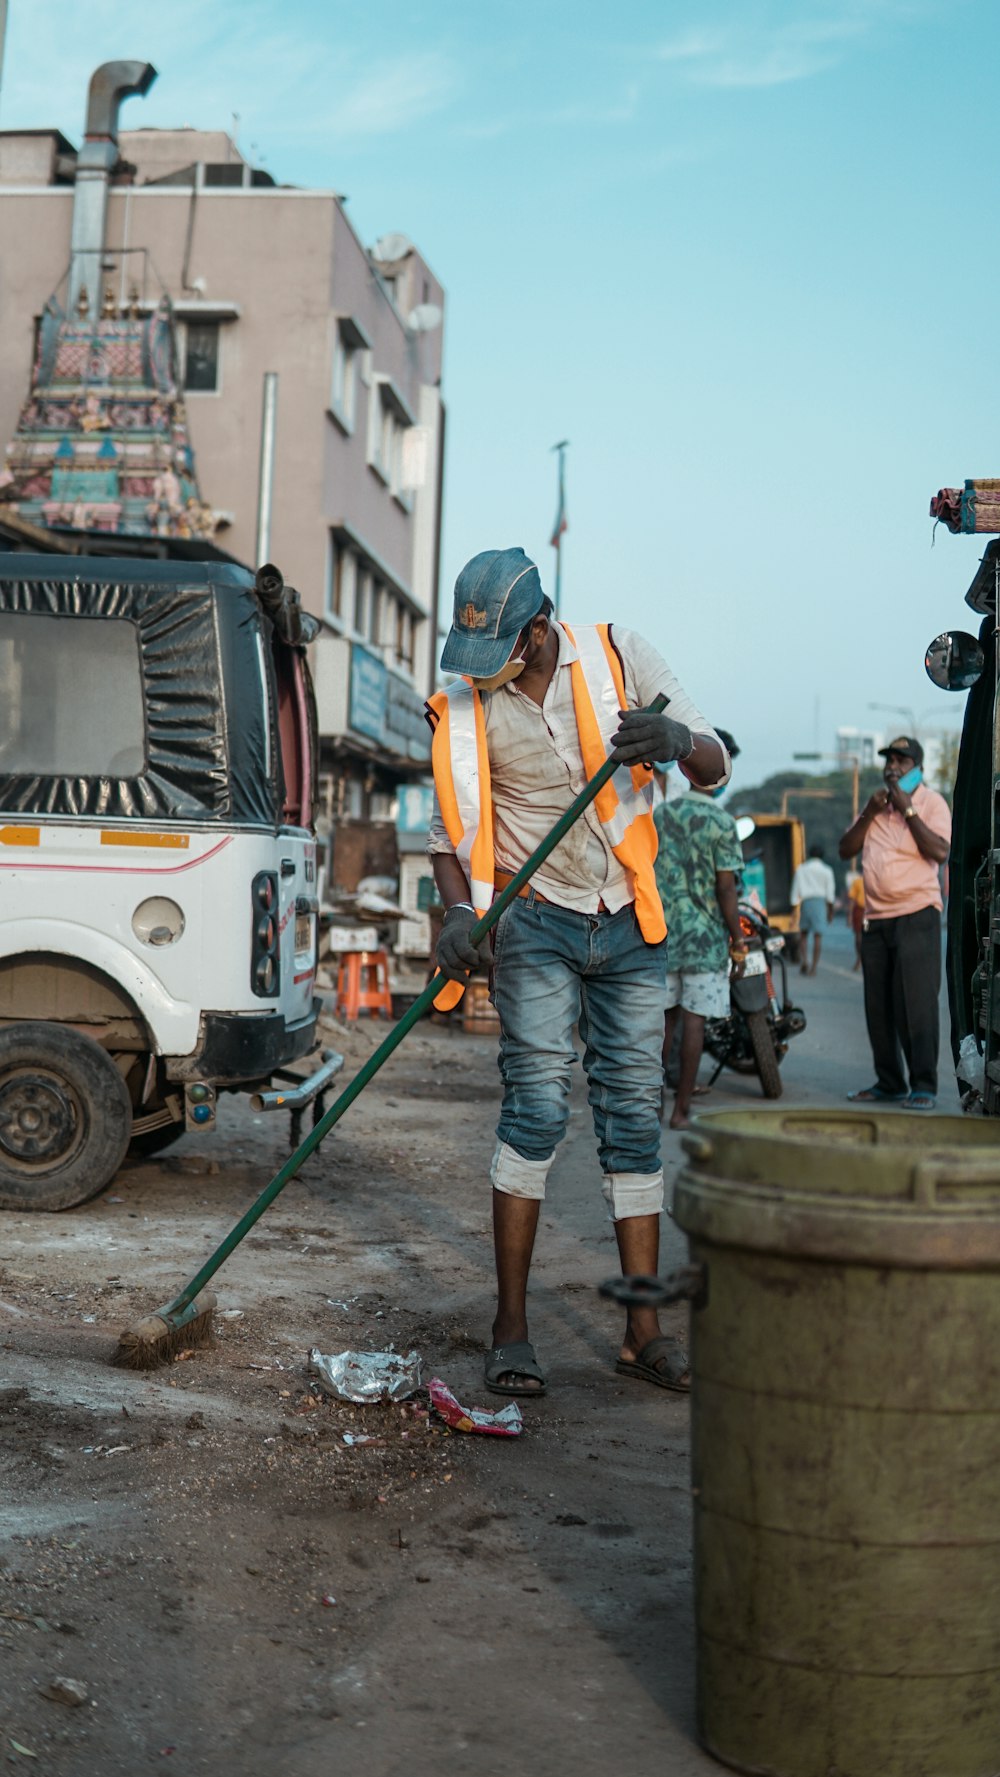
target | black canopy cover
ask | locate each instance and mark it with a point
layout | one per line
(207, 684)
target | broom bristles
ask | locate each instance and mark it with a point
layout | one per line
(153, 1341)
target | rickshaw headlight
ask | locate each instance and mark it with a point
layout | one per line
(158, 921)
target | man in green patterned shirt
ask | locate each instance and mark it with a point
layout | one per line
(697, 871)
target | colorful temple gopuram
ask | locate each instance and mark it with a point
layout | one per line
(102, 441)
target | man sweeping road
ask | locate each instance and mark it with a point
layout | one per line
(540, 707)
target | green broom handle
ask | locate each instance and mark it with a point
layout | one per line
(421, 1004)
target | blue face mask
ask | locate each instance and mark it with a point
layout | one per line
(719, 791)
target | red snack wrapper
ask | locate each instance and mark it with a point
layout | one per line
(506, 1423)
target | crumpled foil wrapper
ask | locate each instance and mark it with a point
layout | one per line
(365, 1376)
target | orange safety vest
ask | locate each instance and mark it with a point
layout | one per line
(461, 767)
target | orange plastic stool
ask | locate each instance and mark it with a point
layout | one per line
(363, 984)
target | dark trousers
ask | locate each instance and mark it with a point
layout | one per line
(901, 959)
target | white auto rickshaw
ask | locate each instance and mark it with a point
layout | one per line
(158, 894)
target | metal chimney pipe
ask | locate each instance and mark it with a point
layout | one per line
(265, 484)
(111, 84)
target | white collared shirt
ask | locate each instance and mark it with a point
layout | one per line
(536, 770)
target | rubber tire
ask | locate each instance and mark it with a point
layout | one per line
(106, 1113)
(153, 1141)
(764, 1054)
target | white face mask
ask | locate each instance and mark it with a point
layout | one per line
(504, 676)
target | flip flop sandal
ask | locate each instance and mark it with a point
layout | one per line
(513, 1360)
(875, 1095)
(649, 1366)
(919, 1101)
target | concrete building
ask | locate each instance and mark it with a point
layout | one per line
(940, 750)
(264, 281)
(861, 744)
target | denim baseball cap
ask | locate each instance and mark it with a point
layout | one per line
(905, 744)
(496, 594)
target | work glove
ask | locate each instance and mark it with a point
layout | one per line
(644, 736)
(455, 954)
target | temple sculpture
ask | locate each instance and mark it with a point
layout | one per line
(102, 441)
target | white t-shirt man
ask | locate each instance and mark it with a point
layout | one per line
(814, 881)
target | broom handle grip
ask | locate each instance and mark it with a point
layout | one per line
(421, 1004)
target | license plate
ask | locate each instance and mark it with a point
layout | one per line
(303, 933)
(756, 964)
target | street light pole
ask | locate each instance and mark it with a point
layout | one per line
(561, 525)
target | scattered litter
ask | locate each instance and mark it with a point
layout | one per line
(114, 1200)
(328, 1598)
(25, 1751)
(116, 1449)
(89, 1320)
(66, 1690)
(355, 1437)
(345, 1305)
(365, 1376)
(507, 1423)
(231, 1314)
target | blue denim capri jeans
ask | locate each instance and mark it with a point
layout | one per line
(554, 969)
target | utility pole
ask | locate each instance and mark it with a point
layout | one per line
(850, 759)
(561, 525)
(3, 35)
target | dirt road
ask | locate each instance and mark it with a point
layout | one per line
(169, 1542)
(238, 1588)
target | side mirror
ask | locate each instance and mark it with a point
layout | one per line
(954, 660)
(745, 825)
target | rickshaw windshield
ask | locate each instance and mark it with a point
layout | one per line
(70, 697)
(133, 690)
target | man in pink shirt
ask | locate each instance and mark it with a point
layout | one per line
(905, 833)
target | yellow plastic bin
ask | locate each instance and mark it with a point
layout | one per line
(846, 1441)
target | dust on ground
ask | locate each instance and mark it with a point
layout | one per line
(245, 1575)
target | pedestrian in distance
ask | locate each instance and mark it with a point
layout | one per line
(540, 706)
(905, 831)
(814, 894)
(698, 865)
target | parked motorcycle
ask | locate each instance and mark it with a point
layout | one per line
(755, 1036)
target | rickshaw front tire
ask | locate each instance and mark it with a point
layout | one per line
(65, 1117)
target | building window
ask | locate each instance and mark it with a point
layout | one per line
(351, 347)
(361, 581)
(375, 615)
(341, 588)
(404, 636)
(343, 392)
(201, 356)
(388, 424)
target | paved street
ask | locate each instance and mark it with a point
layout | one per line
(239, 1585)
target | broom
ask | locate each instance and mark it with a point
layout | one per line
(186, 1322)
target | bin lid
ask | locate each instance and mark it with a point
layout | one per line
(872, 1187)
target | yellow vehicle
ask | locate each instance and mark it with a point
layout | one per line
(773, 853)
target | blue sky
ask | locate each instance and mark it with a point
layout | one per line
(745, 264)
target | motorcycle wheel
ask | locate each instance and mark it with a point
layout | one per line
(764, 1054)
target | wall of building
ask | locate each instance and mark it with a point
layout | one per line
(289, 286)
